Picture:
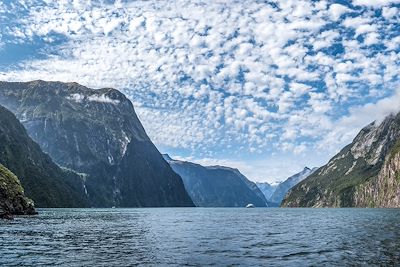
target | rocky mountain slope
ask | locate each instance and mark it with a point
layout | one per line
(217, 186)
(285, 186)
(363, 174)
(12, 197)
(96, 133)
(44, 182)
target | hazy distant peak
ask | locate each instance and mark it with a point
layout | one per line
(217, 186)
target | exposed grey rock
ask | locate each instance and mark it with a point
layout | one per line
(97, 134)
(363, 174)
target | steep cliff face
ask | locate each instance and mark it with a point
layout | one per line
(95, 133)
(383, 190)
(12, 197)
(42, 179)
(217, 186)
(145, 172)
(79, 127)
(362, 174)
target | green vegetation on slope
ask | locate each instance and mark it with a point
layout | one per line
(12, 198)
(95, 132)
(353, 176)
(42, 179)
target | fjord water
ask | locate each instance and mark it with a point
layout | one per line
(202, 236)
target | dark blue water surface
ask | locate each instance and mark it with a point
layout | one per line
(203, 236)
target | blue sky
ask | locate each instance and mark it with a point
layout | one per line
(265, 86)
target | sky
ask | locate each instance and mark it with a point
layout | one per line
(267, 87)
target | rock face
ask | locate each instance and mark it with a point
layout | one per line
(217, 186)
(44, 182)
(97, 134)
(364, 174)
(12, 197)
(285, 186)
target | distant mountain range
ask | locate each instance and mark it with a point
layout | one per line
(267, 189)
(286, 185)
(275, 193)
(98, 137)
(365, 173)
(66, 145)
(217, 186)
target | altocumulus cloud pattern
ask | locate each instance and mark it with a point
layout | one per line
(235, 80)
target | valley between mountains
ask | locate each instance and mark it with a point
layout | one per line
(66, 145)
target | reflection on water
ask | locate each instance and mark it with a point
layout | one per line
(201, 236)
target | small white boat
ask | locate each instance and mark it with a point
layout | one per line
(250, 206)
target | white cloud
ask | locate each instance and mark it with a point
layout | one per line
(355, 22)
(76, 97)
(371, 38)
(103, 99)
(390, 12)
(374, 3)
(223, 77)
(345, 129)
(337, 10)
(93, 98)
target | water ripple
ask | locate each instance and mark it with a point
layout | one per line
(203, 237)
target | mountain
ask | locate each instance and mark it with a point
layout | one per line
(44, 182)
(97, 134)
(365, 173)
(217, 186)
(286, 185)
(12, 198)
(267, 189)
